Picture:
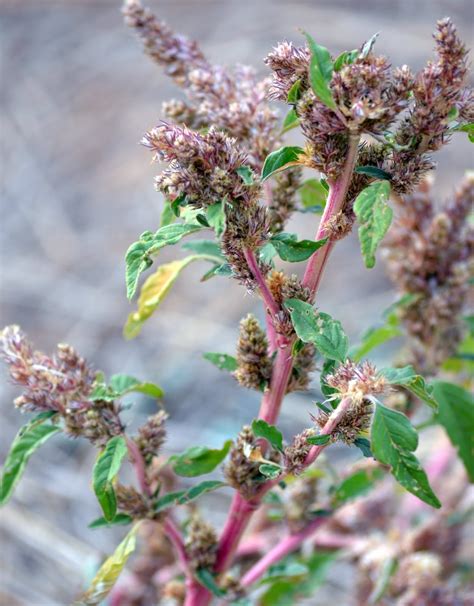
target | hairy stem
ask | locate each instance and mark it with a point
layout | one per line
(281, 549)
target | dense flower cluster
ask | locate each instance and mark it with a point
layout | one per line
(233, 100)
(429, 256)
(254, 365)
(61, 383)
(200, 543)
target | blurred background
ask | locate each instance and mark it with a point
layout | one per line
(76, 96)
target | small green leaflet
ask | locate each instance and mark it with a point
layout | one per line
(456, 415)
(222, 361)
(281, 159)
(320, 440)
(286, 569)
(183, 497)
(294, 93)
(357, 484)
(407, 378)
(262, 429)
(207, 580)
(215, 216)
(121, 385)
(30, 437)
(109, 572)
(246, 173)
(291, 121)
(320, 72)
(374, 217)
(270, 470)
(313, 195)
(198, 460)
(120, 519)
(139, 255)
(364, 446)
(167, 215)
(466, 128)
(289, 248)
(104, 473)
(345, 58)
(318, 328)
(373, 171)
(209, 248)
(393, 442)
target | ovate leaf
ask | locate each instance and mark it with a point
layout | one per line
(357, 484)
(183, 497)
(407, 378)
(456, 415)
(246, 173)
(262, 429)
(109, 572)
(140, 254)
(377, 336)
(373, 171)
(198, 460)
(29, 438)
(289, 248)
(320, 72)
(120, 519)
(104, 473)
(318, 328)
(313, 194)
(121, 385)
(393, 442)
(209, 248)
(281, 159)
(270, 470)
(374, 217)
(222, 361)
(294, 93)
(291, 121)
(154, 291)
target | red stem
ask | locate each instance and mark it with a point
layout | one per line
(260, 279)
(139, 466)
(286, 546)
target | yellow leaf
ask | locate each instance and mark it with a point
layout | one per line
(109, 572)
(154, 290)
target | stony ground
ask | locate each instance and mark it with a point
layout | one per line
(76, 96)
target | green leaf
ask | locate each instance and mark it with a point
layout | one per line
(270, 470)
(320, 440)
(374, 216)
(466, 128)
(222, 361)
(407, 378)
(320, 72)
(218, 270)
(285, 570)
(290, 249)
(209, 248)
(270, 433)
(326, 334)
(345, 58)
(109, 572)
(291, 121)
(167, 215)
(356, 485)
(168, 500)
(121, 385)
(154, 291)
(215, 216)
(281, 159)
(456, 415)
(393, 442)
(207, 580)
(373, 171)
(313, 194)
(30, 437)
(104, 473)
(120, 519)
(294, 93)
(366, 49)
(383, 581)
(246, 173)
(364, 446)
(329, 366)
(198, 460)
(183, 497)
(139, 255)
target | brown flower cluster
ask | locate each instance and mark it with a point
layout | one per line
(241, 472)
(200, 543)
(232, 99)
(254, 365)
(61, 383)
(429, 256)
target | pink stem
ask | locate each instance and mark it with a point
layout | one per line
(335, 418)
(335, 203)
(139, 466)
(262, 285)
(273, 397)
(286, 546)
(175, 537)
